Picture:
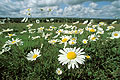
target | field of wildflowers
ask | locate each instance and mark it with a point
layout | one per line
(55, 51)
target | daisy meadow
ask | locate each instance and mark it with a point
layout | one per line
(72, 57)
(33, 55)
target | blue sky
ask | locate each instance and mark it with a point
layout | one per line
(61, 8)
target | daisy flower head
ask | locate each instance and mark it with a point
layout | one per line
(10, 35)
(33, 55)
(29, 26)
(74, 38)
(65, 38)
(23, 32)
(7, 30)
(72, 57)
(52, 27)
(100, 32)
(32, 31)
(92, 30)
(85, 41)
(36, 37)
(116, 34)
(109, 28)
(85, 22)
(80, 31)
(59, 71)
(94, 26)
(16, 41)
(72, 42)
(53, 41)
(37, 21)
(40, 29)
(101, 24)
(93, 37)
(59, 31)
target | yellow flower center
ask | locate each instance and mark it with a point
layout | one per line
(72, 43)
(58, 71)
(80, 31)
(85, 42)
(73, 38)
(64, 40)
(13, 42)
(59, 31)
(110, 27)
(92, 30)
(88, 57)
(35, 56)
(53, 27)
(115, 34)
(53, 41)
(10, 34)
(28, 9)
(41, 28)
(76, 32)
(93, 38)
(71, 55)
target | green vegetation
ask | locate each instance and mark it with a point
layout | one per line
(104, 63)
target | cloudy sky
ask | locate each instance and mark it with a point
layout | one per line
(61, 8)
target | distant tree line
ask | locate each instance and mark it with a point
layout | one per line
(60, 20)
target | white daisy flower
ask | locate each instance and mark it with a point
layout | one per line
(116, 34)
(29, 26)
(7, 30)
(10, 35)
(40, 29)
(85, 22)
(109, 28)
(74, 38)
(49, 29)
(72, 57)
(16, 41)
(53, 41)
(59, 71)
(94, 26)
(23, 32)
(100, 32)
(65, 39)
(36, 37)
(33, 55)
(59, 31)
(84, 41)
(72, 42)
(99, 28)
(37, 21)
(114, 22)
(92, 30)
(80, 31)
(76, 22)
(32, 31)
(93, 37)
(52, 27)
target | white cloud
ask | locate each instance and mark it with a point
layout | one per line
(74, 8)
